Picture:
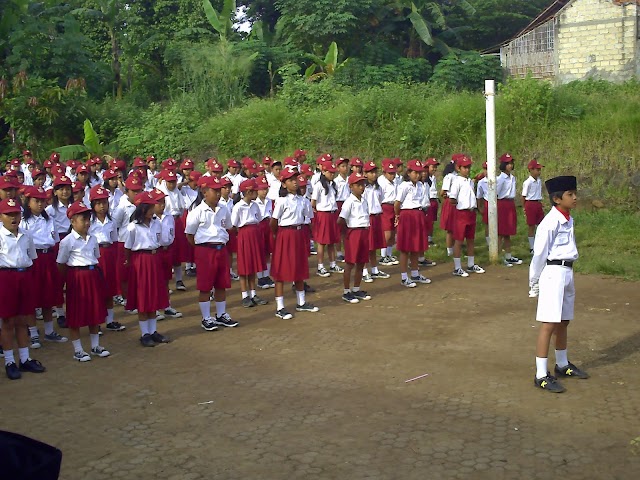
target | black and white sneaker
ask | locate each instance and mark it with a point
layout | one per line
(208, 324)
(426, 263)
(407, 283)
(386, 261)
(367, 278)
(475, 269)
(247, 303)
(190, 272)
(571, 371)
(100, 352)
(180, 286)
(262, 283)
(322, 272)
(225, 320)
(362, 295)
(270, 282)
(258, 301)
(234, 276)
(172, 313)
(336, 269)
(513, 261)
(284, 314)
(340, 258)
(548, 383)
(394, 260)
(55, 337)
(380, 274)
(421, 279)
(81, 356)
(458, 272)
(115, 327)
(35, 342)
(350, 298)
(307, 307)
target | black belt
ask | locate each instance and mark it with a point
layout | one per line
(358, 228)
(26, 269)
(149, 252)
(292, 227)
(84, 267)
(44, 250)
(105, 245)
(533, 200)
(375, 214)
(562, 263)
(215, 246)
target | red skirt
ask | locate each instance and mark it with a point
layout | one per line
(307, 235)
(485, 211)
(167, 260)
(290, 260)
(343, 227)
(507, 219)
(251, 257)
(268, 239)
(432, 212)
(376, 234)
(388, 217)
(123, 269)
(147, 284)
(213, 268)
(356, 245)
(446, 220)
(534, 212)
(325, 228)
(86, 297)
(464, 225)
(411, 232)
(108, 265)
(47, 282)
(16, 295)
(181, 249)
(186, 254)
(232, 244)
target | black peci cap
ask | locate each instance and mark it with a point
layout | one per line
(561, 184)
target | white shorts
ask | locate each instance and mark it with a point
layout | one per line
(557, 294)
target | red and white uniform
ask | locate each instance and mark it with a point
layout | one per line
(17, 253)
(290, 258)
(532, 193)
(374, 196)
(506, 192)
(166, 228)
(106, 234)
(389, 193)
(355, 213)
(446, 217)
(246, 218)
(325, 226)
(464, 217)
(411, 224)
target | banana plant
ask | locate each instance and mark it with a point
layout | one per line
(222, 22)
(91, 145)
(328, 67)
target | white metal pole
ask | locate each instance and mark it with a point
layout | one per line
(490, 96)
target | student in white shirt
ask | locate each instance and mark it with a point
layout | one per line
(326, 232)
(432, 197)
(114, 185)
(373, 195)
(233, 174)
(189, 192)
(507, 219)
(266, 207)
(227, 201)
(551, 274)
(147, 290)
(532, 200)
(207, 230)
(410, 223)
(245, 218)
(462, 196)
(17, 252)
(303, 185)
(446, 215)
(355, 218)
(389, 192)
(78, 264)
(341, 193)
(274, 181)
(482, 197)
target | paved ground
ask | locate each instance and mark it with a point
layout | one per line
(324, 395)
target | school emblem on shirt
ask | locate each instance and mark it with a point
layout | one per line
(223, 223)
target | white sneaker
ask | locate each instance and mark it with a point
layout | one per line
(367, 278)
(475, 269)
(39, 314)
(82, 356)
(458, 272)
(172, 313)
(408, 283)
(160, 316)
(100, 352)
(421, 279)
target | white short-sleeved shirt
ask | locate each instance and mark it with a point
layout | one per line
(325, 200)
(76, 251)
(506, 186)
(208, 225)
(173, 202)
(228, 204)
(373, 196)
(308, 216)
(291, 210)
(48, 182)
(142, 237)
(355, 212)
(114, 199)
(189, 195)
(482, 190)
(16, 251)
(411, 196)
(555, 240)
(462, 190)
(245, 214)
(433, 188)
(398, 180)
(342, 188)
(122, 217)
(274, 187)
(236, 180)
(389, 189)
(104, 232)
(43, 232)
(266, 207)
(446, 181)
(532, 189)
(167, 229)
(59, 215)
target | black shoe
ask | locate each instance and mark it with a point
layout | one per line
(115, 327)
(307, 307)
(258, 301)
(159, 338)
(225, 320)
(548, 383)
(191, 272)
(263, 283)
(33, 366)
(284, 314)
(270, 281)
(362, 295)
(571, 371)
(180, 286)
(247, 303)
(308, 288)
(147, 341)
(426, 263)
(13, 373)
(62, 321)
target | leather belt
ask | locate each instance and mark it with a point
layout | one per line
(561, 263)
(84, 267)
(105, 245)
(44, 250)
(26, 269)
(215, 246)
(149, 252)
(292, 227)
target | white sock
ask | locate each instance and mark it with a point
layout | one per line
(109, 315)
(178, 273)
(449, 251)
(153, 325)
(245, 295)
(383, 252)
(144, 326)
(561, 358)
(415, 273)
(221, 307)
(33, 332)
(265, 274)
(252, 293)
(365, 272)
(259, 275)
(48, 327)
(531, 241)
(95, 340)
(338, 254)
(320, 266)
(404, 276)
(279, 303)
(268, 270)
(300, 296)
(421, 259)
(205, 309)
(77, 345)
(346, 290)
(541, 367)
(457, 263)
(355, 289)
(59, 311)
(487, 239)
(332, 264)
(375, 270)
(471, 261)
(24, 354)
(8, 357)
(429, 239)
(507, 254)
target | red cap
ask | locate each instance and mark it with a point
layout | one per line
(207, 181)
(94, 161)
(287, 173)
(118, 164)
(356, 177)
(109, 174)
(248, 162)
(324, 157)
(14, 162)
(9, 205)
(388, 166)
(29, 161)
(77, 208)
(82, 169)
(35, 192)
(187, 164)
(151, 158)
(330, 167)
(171, 161)
(169, 164)
(48, 164)
(355, 162)
(225, 182)
(13, 173)
(77, 187)
(256, 169)
(506, 158)
(267, 161)
(26, 152)
(415, 165)
(291, 162)
(484, 165)
(431, 161)
(534, 164)
(167, 176)
(214, 165)
(8, 182)
(145, 198)
(139, 162)
(195, 176)
(98, 193)
(305, 169)
(248, 185)
(62, 180)
(54, 157)
(302, 181)
(72, 164)
(299, 153)
(232, 163)
(262, 183)
(37, 172)
(396, 161)
(133, 183)
(157, 194)
(57, 171)
(339, 160)
(463, 161)
(369, 166)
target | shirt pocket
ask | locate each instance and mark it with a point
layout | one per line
(562, 238)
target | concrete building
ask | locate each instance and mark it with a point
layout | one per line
(578, 39)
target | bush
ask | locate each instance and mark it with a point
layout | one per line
(361, 75)
(467, 70)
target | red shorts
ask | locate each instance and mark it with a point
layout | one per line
(250, 257)
(325, 228)
(232, 244)
(186, 252)
(213, 268)
(388, 218)
(411, 232)
(290, 261)
(182, 252)
(464, 225)
(108, 262)
(16, 294)
(86, 297)
(431, 216)
(446, 218)
(268, 238)
(507, 219)
(534, 212)
(47, 282)
(485, 210)
(123, 269)
(356, 245)
(167, 257)
(376, 234)
(147, 283)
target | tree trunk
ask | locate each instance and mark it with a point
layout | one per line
(115, 65)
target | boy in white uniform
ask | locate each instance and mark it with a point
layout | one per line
(551, 274)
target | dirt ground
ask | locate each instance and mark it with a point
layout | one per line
(325, 395)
